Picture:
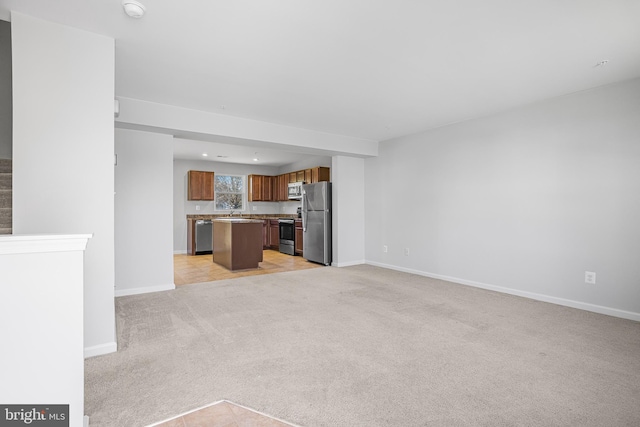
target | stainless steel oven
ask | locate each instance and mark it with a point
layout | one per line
(287, 235)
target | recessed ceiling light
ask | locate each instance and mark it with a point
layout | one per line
(204, 154)
(133, 8)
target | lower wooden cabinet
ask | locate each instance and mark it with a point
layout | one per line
(265, 234)
(274, 234)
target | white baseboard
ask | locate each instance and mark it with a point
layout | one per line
(99, 350)
(144, 290)
(531, 295)
(348, 263)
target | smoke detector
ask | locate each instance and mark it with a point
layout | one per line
(133, 8)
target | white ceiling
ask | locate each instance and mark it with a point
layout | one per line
(233, 153)
(374, 69)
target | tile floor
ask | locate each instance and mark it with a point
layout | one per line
(223, 414)
(201, 268)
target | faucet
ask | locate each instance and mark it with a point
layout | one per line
(231, 214)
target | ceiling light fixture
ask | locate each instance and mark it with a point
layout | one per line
(204, 154)
(133, 8)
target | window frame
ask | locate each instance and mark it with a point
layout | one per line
(243, 193)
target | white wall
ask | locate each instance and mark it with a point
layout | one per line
(5, 90)
(63, 179)
(524, 202)
(347, 176)
(143, 212)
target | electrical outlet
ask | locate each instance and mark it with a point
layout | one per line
(590, 277)
(385, 249)
(406, 251)
(255, 208)
(197, 207)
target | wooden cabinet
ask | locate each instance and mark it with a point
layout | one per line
(274, 234)
(260, 188)
(200, 185)
(265, 234)
(319, 174)
(299, 235)
(191, 236)
(237, 245)
(267, 191)
(282, 187)
(263, 188)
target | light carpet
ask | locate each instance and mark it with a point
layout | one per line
(365, 346)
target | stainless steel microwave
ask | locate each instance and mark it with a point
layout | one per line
(295, 190)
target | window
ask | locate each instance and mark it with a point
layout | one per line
(229, 192)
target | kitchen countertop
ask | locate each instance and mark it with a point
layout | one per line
(237, 220)
(254, 217)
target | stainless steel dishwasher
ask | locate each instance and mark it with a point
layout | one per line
(204, 236)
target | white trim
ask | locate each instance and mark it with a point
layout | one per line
(25, 244)
(144, 290)
(99, 350)
(217, 403)
(348, 263)
(531, 295)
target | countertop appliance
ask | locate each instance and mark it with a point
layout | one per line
(295, 190)
(316, 222)
(287, 227)
(204, 236)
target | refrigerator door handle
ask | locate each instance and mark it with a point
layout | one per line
(304, 211)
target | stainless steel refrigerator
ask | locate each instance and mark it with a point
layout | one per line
(316, 222)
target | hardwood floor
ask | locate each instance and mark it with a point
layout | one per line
(189, 269)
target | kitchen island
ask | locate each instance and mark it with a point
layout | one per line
(237, 243)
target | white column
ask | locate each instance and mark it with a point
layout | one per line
(347, 177)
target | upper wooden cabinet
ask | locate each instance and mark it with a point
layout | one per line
(263, 188)
(260, 188)
(200, 185)
(284, 187)
(320, 174)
